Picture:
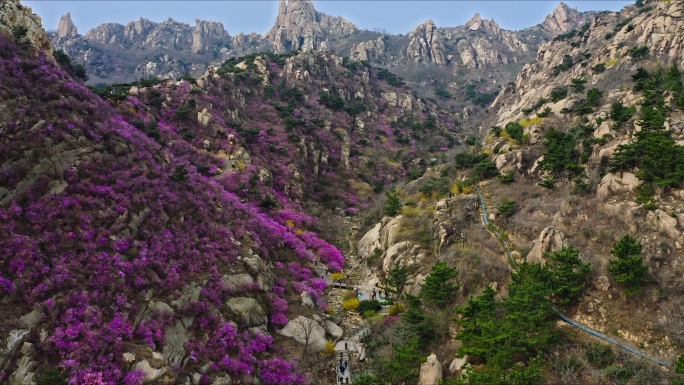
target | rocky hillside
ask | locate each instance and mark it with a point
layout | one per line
(166, 231)
(440, 63)
(581, 161)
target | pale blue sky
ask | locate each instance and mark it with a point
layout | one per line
(258, 16)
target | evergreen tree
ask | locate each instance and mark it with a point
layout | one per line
(180, 174)
(437, 288)
(397, 277)
(477, 321)
(568, 275)
(393, 205)
(404, 366)
(628, 270)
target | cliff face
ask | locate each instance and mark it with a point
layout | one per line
(13, 14)
(425, 45)
(563, 19)
(299, 26)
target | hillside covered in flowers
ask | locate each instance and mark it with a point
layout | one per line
(179, 221)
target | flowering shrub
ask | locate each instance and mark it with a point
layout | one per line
(110, 206)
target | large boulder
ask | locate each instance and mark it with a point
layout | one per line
(549, 240)
(430, 371)
(624, 182)
(247, 310)
(307, 332)
(335, 331)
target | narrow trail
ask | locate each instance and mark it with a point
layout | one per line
(561, 316)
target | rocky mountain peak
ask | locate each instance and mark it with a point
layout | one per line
(299, 26)
(66, 27)
(477, 23)
(425, 44)
(563, 19)
(13, 14)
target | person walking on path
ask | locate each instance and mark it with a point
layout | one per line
(342, 368)
(345, 346)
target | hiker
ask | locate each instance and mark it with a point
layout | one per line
(340, 358)
(342, 368)
(346, 380)
(345, 346)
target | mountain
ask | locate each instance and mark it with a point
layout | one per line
(117, 53)
(583, 149)
(167, 231)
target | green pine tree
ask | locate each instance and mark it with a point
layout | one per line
(393, 205)
(568, 275)
(437, 288)
(628, 270)
(397, 277)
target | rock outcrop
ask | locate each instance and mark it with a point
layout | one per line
(299, 26)
(206, 34)
(372, 50)
(307, 332)
(66, 27)
(430, 371)
(13, 14)
(425, 44)
(563, 19)
(549, 240)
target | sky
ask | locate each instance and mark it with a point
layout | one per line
(258, 16)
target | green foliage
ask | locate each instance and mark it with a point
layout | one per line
(467, 159)
(519, 329)
(77, 70)
(569, 275)
(182, 112)
(628, 270)
(558, 94)
(20, 33)
(565, 65)
(50, 376)
(404, 366)
(180, 174)
(577, 84)
(397, 277)
(484, 170)
(560, 153)
(515, 131)
(679, 364)
(438, 288)
(600, 355)
(599, 68)
(268, 202)
(507, 177)
(507, 208)
(442, 92)
(417, 322)
(638, 52)
(620, 114)
(548, 182)
(371, 305)
(393, 205)
(540, 102)
(594, 96)
(546, 112)
(566, 36)
(333, 102)
(152, 130)
(389, 77)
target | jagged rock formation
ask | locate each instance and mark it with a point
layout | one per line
(563, 19)
(425, 45)
(66, 27)
(13, 14)
(372, 50)
(299, 26)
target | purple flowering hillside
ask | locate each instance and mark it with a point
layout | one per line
(163, 232)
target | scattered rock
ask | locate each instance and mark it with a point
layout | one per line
(248, 310)
(430, 371)
(335, 331)
(306, 331)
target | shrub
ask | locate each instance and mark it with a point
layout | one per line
(349, 294)
(329, 350)
(468, 159)
(371, 305)
(337, 276)
(351, 304)
(442, 92)
(577, 84)
(20, 33)
(507, 208)
(628, 270)
(396, 309)
(507, 177)
(620, 114)
(638, 52)
(546, 112)
(599, 68)
(600, 355)
(515, 131)
(393, 205)
(558, 94)
(484, 170)
(565, 65)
